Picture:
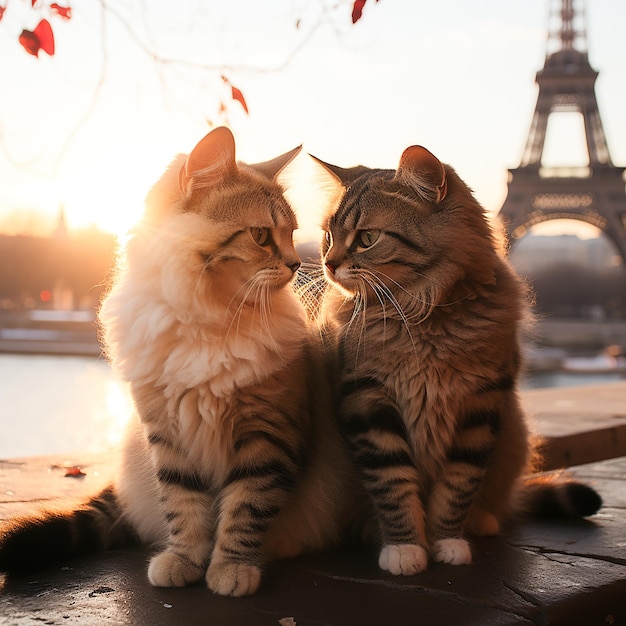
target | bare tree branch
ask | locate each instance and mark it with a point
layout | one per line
(149, 50)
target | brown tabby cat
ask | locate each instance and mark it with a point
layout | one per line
(424, 315)
(233, 457)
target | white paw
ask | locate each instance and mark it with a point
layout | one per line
(452, 551)
(168, 569)
(406, 559)
(233, 580)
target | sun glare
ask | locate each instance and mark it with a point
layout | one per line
(119, 407)
(112, 208)
(107, 192)
(310, 194)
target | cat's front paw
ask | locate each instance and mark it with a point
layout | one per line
(230, 579)
(406, 559)
(452, 551)
(168, 569)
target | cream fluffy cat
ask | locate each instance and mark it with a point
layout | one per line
(233, 457)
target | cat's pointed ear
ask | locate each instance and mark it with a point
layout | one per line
(424, 171)
(344, 175)
(271, 169)
(212, 160)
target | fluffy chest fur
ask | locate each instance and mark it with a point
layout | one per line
(432, 370)
(195, 371)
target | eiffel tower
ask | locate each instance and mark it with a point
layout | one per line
(594, 194)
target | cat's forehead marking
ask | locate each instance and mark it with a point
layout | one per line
(356, 202)
(349, 208)
(271, 203)
(260, 206)
(281, 214)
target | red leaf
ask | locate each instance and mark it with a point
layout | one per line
(74, 472)
(43, 31)
(237, 95)
(39, 39)
(30, 42)
(33, 3)
(357, 10)
(2, 10)
(64, 12)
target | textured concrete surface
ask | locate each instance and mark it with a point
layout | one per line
(537, 573)
(528, 583)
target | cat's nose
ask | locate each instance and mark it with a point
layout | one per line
(330, 267)
(294, 266)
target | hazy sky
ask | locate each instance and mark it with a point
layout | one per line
(94, 125)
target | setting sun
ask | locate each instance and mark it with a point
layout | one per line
(113, 208)
(102, 191)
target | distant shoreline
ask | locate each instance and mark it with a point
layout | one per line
(75, 332)
(41, 331)
(578, 336)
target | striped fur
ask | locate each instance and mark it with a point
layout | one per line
(30, 543)
(423, 315)
(233, 457)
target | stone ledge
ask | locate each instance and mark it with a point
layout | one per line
(579, 424)
(537, 573)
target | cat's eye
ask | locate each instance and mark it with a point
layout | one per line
(367, 238)
(261, 235)
(328, 238)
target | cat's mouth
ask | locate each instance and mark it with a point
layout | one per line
(366, 285)
(275, 278)
(341, 279)
(281, 279)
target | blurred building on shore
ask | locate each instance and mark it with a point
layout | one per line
(65, 271)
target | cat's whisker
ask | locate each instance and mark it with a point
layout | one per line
(432, 303)
(310, 286)
(249, 285)
(386, 292)
(371, 279)
(305, 276)
(242, 301)
(358, 310)
(380, 294)
(413, 296)
(418, 316)
(264, 297)
(394, 302)
(205, 267)
(258, 309)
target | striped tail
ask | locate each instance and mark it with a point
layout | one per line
(32, 543)
(555, 497)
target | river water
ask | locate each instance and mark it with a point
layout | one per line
(61, 404)
(58, 404)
